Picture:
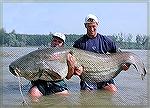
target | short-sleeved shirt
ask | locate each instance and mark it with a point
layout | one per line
(98, 44)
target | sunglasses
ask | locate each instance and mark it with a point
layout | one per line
(59, 41)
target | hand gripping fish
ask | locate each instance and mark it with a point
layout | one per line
(50, 64)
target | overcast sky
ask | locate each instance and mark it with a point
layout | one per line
(43, 18)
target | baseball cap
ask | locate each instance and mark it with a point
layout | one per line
(60, 35)
(91, 16)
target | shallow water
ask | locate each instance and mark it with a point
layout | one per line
(132, 91)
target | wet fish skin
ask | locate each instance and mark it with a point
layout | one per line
(49, 62)
(111, 66)
(41, 64)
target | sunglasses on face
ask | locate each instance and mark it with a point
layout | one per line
(59, 41)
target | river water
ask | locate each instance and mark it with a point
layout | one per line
(132, 91)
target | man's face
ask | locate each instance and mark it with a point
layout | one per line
(91, 29)
(57, 42)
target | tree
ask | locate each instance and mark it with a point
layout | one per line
(12, 40)
(13, 32)
(3, 34)
(145, 42)
(129, 41)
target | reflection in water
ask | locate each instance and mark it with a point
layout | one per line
(131, 89)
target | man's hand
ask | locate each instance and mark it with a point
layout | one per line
(125, 66)
(72, 67)
(78, 70)
(71, 60)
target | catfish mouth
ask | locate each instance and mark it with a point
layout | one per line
(12, 70)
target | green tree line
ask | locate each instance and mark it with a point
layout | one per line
(123, 41)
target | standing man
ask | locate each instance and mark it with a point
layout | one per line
(95, 42)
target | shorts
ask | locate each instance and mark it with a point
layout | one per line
(50, 87)
(93, 85)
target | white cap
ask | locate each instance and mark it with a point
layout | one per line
(90, 16)
(60, 35)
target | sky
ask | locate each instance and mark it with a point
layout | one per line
(68, 18)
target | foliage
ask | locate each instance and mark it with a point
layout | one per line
(124, 41)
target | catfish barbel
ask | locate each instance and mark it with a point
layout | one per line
(50, 64)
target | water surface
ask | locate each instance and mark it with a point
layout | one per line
(132, 91)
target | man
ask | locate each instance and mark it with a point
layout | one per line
(58, 40)
(41, 87)
(95, 42)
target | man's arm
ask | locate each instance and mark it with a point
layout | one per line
(72, 67)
